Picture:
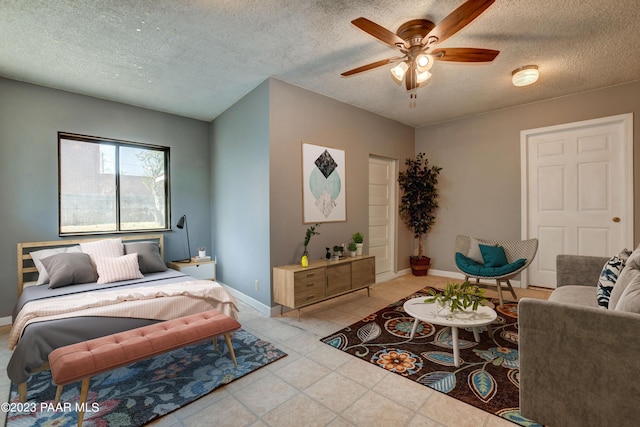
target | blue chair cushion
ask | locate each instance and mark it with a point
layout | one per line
(476, 269)
(493, 256)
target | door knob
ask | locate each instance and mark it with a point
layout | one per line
(616, 219)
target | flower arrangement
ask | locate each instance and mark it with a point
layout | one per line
(458, 296)
(311, 231)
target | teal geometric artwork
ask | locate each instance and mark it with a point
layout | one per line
(323, 179)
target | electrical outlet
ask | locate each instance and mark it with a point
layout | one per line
(257, 285)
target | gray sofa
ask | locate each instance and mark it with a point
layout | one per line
(579, 363)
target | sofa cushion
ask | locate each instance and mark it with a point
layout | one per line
(574, 294)
(630, 299)
(628, 273)
(608, 276)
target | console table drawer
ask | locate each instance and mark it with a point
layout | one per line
(310, 276)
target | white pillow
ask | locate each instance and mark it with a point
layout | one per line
(37, 256)
(103, 248)
(115, 269)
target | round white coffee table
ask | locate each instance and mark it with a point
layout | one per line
(483, 316)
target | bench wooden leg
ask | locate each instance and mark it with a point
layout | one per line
(215, 343)
(227, 338)
(58, 394)
(84, 392)
(22, 392)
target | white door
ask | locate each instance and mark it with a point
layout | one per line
(577, 191)
(382, 210)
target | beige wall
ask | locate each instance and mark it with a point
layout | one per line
(298, 115)
(480, 157)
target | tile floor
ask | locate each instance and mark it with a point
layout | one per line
(317, 385)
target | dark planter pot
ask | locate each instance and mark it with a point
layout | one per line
(420, 265)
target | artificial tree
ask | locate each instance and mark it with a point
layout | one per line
(419, 204)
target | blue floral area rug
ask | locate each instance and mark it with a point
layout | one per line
(137, 394)
(488, 376)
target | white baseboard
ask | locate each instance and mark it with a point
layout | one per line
(5, 321)
(252, 302)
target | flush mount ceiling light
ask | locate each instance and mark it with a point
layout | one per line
(525, 76)
(417, 39)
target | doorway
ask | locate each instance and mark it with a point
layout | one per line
(382, 216)
(577, 191)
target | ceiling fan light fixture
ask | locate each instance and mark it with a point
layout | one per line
(423, 76)
(398, 71)
(525, 76)
(424, 61)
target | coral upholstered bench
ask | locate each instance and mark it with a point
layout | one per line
(85, 359)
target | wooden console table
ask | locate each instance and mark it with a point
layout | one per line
(295, 286)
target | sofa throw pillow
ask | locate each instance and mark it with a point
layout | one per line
(149, 259)
(115, 269)
(474, 251)
(631, 269)
(630, 299)
(69, 269)
(609, 275)
(493, 256)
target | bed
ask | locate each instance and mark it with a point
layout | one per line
(60, 302)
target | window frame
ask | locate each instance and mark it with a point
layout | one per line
(117, 143)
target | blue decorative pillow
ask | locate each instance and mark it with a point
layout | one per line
(493, 256)
(609, 276)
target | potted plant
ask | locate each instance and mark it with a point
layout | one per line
(358, 238)
(418, 204)
(338, 251)
(352, 249)
(458, 297)
(311, 231)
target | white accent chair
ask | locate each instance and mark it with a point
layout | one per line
(514, 250)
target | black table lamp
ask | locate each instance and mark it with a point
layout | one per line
(182, 223)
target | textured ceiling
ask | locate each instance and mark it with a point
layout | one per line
(196, 58)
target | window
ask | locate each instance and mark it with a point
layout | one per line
(111, 186)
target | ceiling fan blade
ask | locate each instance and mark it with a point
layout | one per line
(378, 32)
(370, 66)
(458, 19)
(465, 54)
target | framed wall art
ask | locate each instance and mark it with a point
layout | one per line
(323, 184)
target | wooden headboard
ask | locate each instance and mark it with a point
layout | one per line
(27, 270)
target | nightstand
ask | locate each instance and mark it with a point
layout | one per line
(205, 270)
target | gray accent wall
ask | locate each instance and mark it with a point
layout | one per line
(297, 116)
(30, 118)
(256, 159)
(239, 140)
(480, 155)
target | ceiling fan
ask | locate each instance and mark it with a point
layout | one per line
(416, 40)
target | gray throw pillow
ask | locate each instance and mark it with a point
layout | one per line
(69, 269)
(630, 270)
(630, 299)
(149, 260)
